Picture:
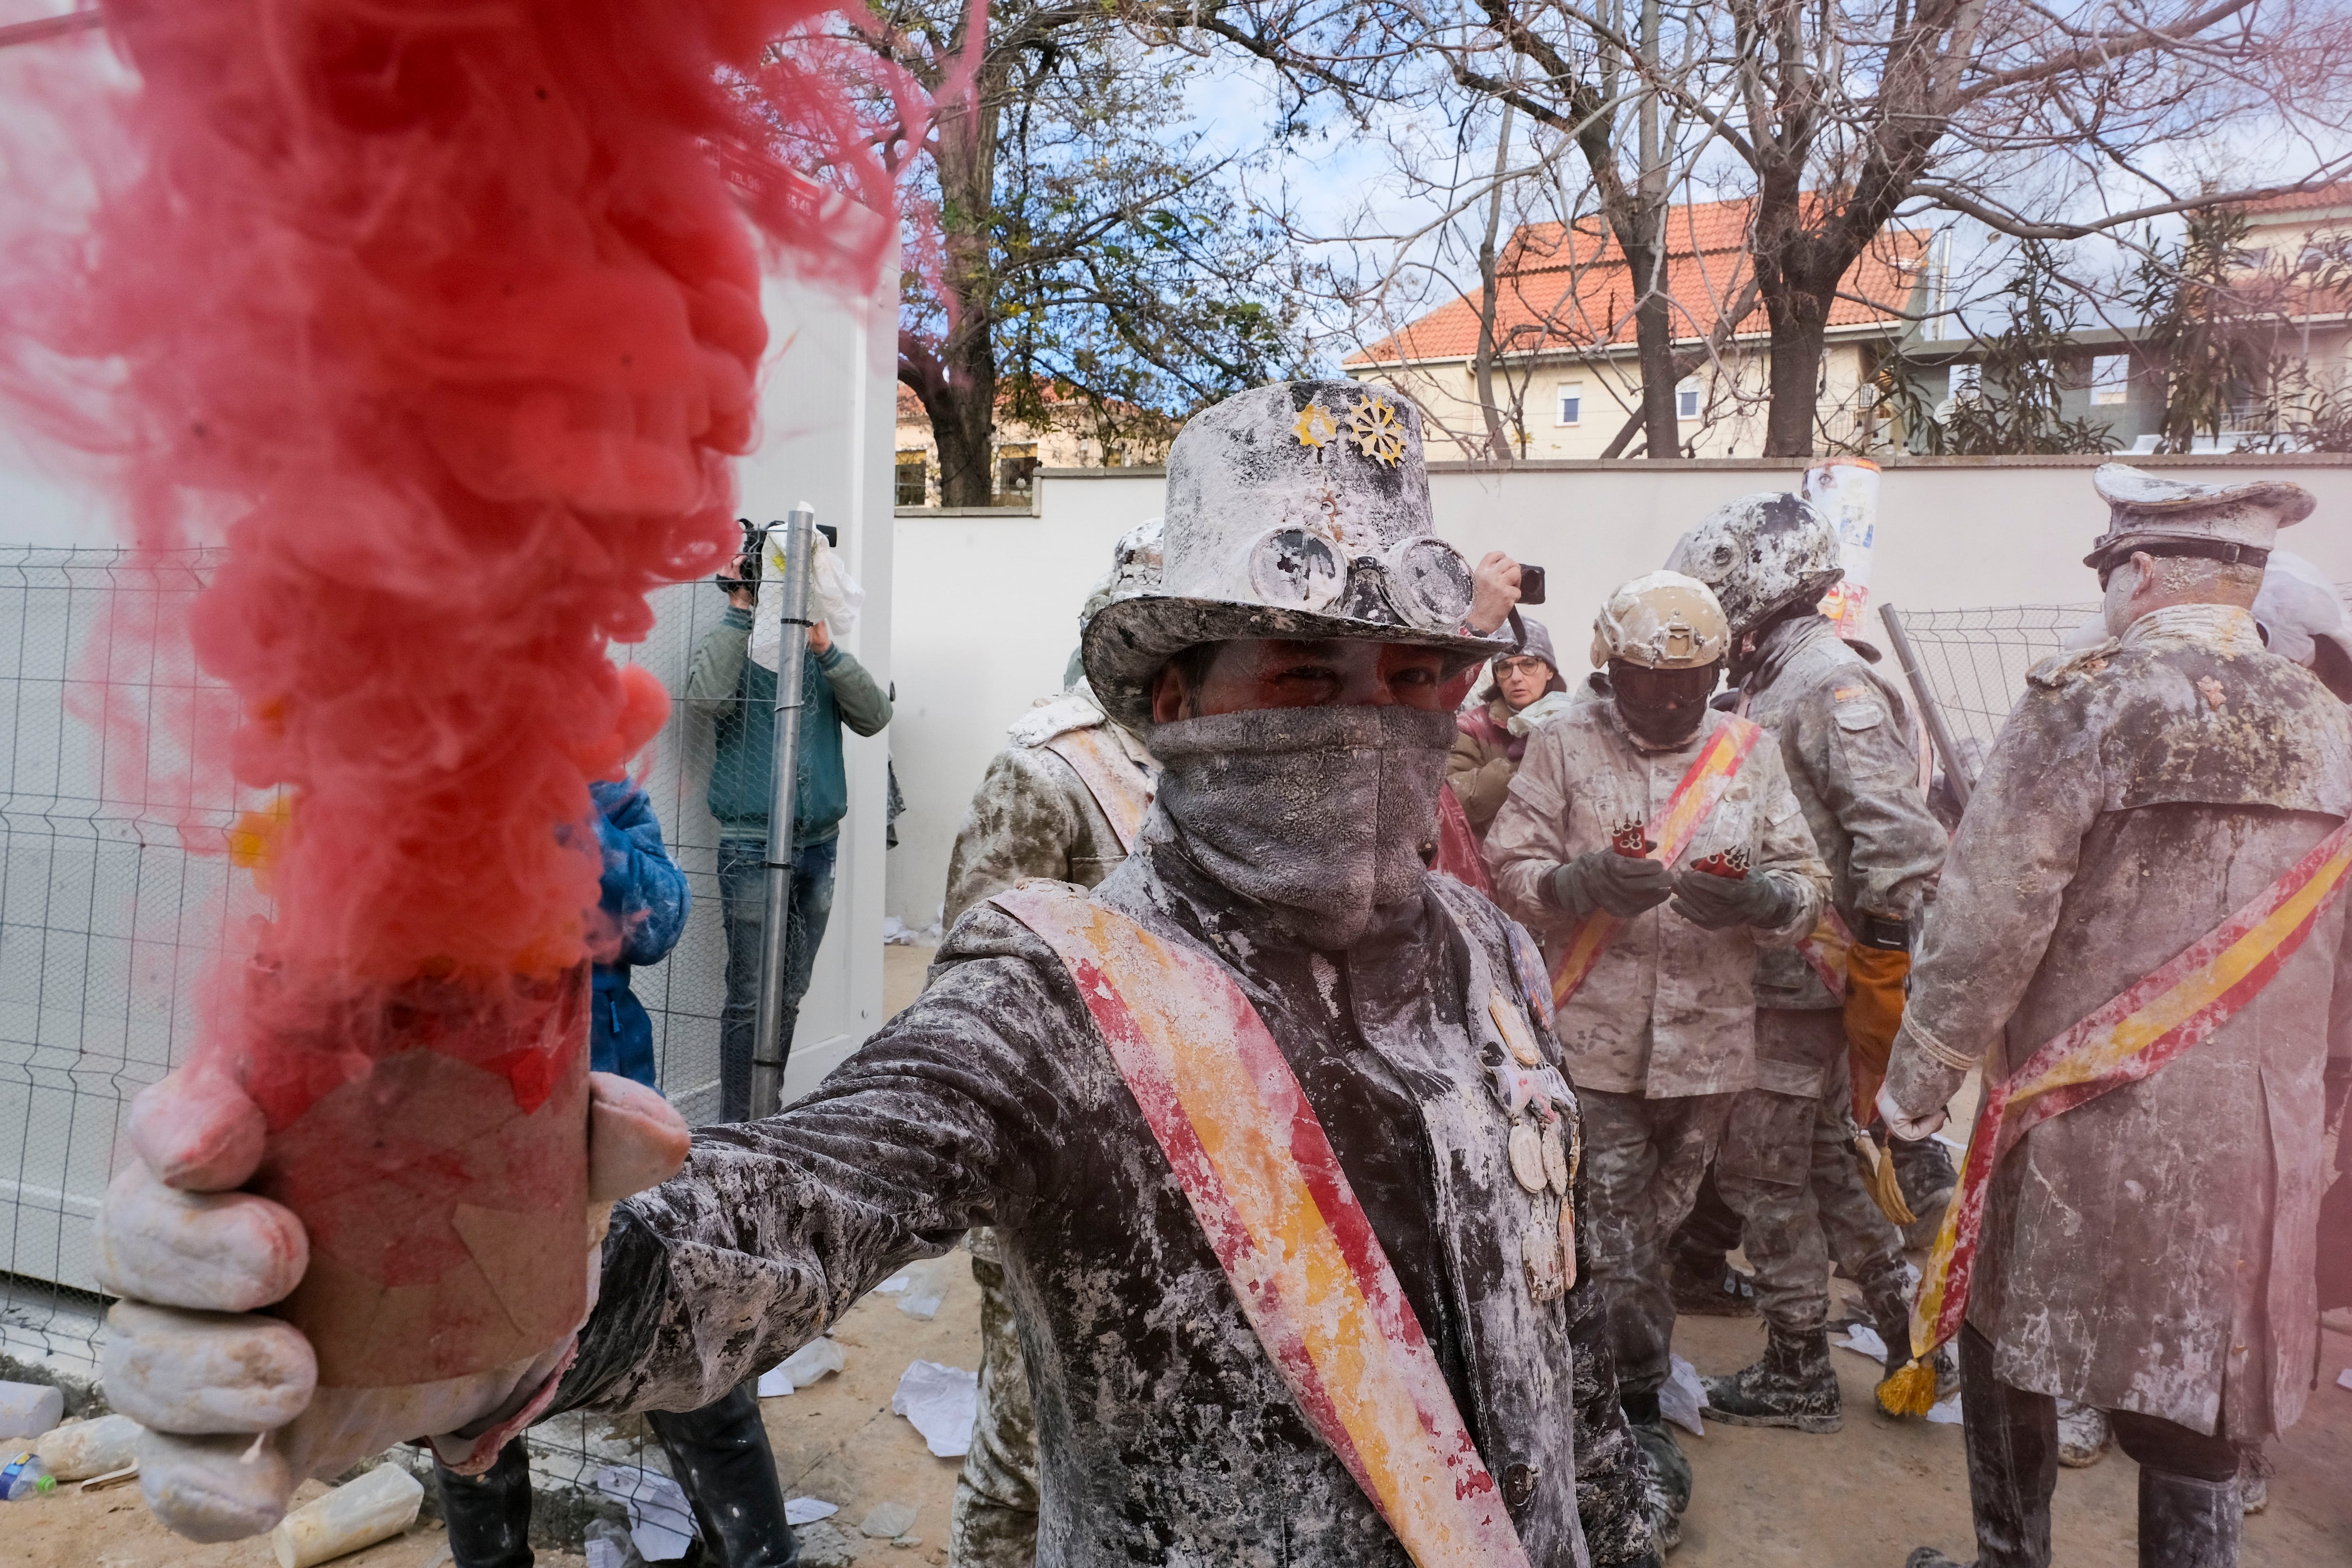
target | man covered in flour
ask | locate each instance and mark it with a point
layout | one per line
(1271, 1126)
(2138, 937)
(1787, 1166)
(1654, 844)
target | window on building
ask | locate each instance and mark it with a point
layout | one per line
(1686, 400)
(1572, 402)
(2111, 379)
(1016, 469)
(914, 478)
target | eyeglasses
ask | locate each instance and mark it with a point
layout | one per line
(1522, 665)
(1423, 580)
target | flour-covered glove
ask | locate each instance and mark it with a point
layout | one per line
(228, 1397)
(1624, 885)
(1903, 1124)
(1718, 903)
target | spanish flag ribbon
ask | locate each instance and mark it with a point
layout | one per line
(1704, 784)
(2179, 1005)
(1299, 1251)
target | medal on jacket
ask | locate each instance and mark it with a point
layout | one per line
(1543, 1153)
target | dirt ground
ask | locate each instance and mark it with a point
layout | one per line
(1861, 1497)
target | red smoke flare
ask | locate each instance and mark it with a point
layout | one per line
(444, 315)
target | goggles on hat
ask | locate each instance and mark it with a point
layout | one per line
(1424, 581)
(2226, 551)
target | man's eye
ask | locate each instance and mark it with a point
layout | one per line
(1310, 672)
(1413, 677)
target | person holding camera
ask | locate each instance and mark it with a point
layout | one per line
(738, 695)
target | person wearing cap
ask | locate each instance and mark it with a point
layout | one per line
(1064, 800)
(2135, 939)
(1270, 1126)
(1653, 846)
(1494, 735)
(1787, 1167)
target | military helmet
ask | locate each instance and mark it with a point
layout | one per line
(1759, 554)
(1135, 565)
(1660, 621)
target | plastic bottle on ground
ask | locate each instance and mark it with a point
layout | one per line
(25, 1479)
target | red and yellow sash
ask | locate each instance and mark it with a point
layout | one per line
(1121, 789)
(1670, 833)
(1287, 1230)
(2178, 1005)
(1825, 950)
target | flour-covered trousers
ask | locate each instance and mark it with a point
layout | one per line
(1787, 1169)
(993, 1521)
(1643, 1162)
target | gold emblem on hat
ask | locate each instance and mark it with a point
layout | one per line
(1314, 427)
(1379, 433)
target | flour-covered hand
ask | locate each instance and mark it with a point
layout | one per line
(228, 1397)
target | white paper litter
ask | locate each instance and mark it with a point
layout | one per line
(808, 1510)
(661, 1521)
(818, 1358)
(1682, 1396)
(2344, 1378)
(1946, 1412)
(941, 1401)
(892, 1286)
(1864, 1339)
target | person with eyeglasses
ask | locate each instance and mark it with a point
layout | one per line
(1489, 744)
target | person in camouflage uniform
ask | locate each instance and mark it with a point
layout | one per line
(1660, 1031)
(1062, 800)
(1788, 1166)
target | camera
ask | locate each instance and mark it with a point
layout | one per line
(754, 538)
(1531, 583)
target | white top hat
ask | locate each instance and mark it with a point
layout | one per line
(1298, 509)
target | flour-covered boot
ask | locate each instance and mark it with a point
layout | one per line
(2255, 1472)
(2188, 1523)
(1718, 1291)
(1793, 1385)
(2084, 1435)
(1669, 1491)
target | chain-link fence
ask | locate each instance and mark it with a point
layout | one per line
(117, 897)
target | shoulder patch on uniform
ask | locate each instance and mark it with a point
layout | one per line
(1844, 693)
(2061, 668)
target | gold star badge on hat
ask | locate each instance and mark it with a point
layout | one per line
(1314, 427)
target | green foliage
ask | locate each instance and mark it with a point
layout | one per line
(2015, 408)
(2212, 333)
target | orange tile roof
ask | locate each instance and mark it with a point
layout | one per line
(2332, 195)
(1564, 286)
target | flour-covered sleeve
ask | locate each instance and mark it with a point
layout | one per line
(1528, 840)
(1022, 823)
(1869, 779)
(1785, 852)
(2007, 874)
(945, 1119)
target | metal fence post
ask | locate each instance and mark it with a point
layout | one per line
(1939, 730)
(771, 1046)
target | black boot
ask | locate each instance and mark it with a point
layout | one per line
(1793, 1385)
(1717, 1292)
(488, 1514)
(1667, 1485)
(2185, 1522)
(2012, 1437)
(721, 1458)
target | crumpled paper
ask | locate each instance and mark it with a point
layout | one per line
(816, 1359)
(661, 1521)
(808, 1510)
(941, 1401)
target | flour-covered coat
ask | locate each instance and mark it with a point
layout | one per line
(1670, 1007)
(1032, 815)
(1850, 756)
(1167, 1435)
(2151, 1249)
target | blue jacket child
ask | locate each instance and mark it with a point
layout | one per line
(646, 895)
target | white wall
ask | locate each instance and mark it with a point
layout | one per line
(988, 605)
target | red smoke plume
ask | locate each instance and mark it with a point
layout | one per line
(444, 315)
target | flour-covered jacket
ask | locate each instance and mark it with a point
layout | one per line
(1166, 1434)
(1852, 762)
(1032, 815)
(1669, 1009)
(2150, 1249)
